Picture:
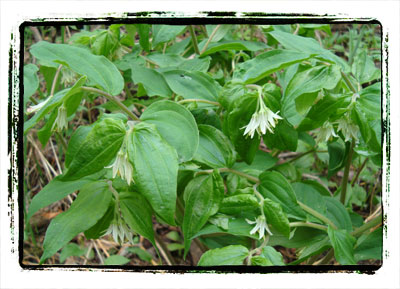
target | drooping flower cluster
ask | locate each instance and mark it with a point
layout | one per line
(262, 120)
(122, 166)
(61, 121)
(349, 129)
(261, 226)
(119, 230)
(325, 132)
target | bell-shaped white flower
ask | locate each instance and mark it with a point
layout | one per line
(325, 132)
(68, 76)
(119, 230)
(262, 120)
(61, 121)
(37, 107)
(348, 129)
(261, 226)
(122, 167)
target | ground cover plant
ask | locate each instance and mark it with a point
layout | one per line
(202, 145)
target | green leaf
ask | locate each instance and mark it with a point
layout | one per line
(337, 153)
(260, 261)
(285, 137)
(267, 63)
(168, 62)
(230, 255)
(76, 140)
(116, 260)
(273, 256)
(164, 33)
(137, 213)
(102, 225)
(215, 150)
(262, 161)
(98, 69)
(54, 191)
(98, 149)
(276, 217)
(71, 249)
(370, 101)
(242, 205)
(31, 81)
(202, 196)
(307, 45)
(221, 32)
(231, 45)
(338, 214)
(303, 89)
(144, 31)
(360, 119)
(192, 84)
(275, 187)
(369, 246)
(343, 244)
(364, 68)
(234, 124)
(90, 205)
(314, 247)
(176, 125)
(153, 82)
(142, 254)
(155, 165)
(104, 43)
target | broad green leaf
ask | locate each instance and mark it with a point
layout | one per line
(338, 214)
(153, 82)
(260, 261)
(202, 196)
(192, 84)
(231, 45)
(273, 256)
(155, 165)
(242, 205)
(76, 140)
(215, 150)
(267, 63)
(343, 244)
(369, 246)
(310, 196)
(234, 125)
(97, 150)
(137, 213)
(98, 69)
(276, 217)
(54, 191)
(104, 43)
(164, 33)
(144, 31)
(90, 205)
(176, 125)
(262, 161)
(307, 45)
(360, 120)
(313, 248)
(168, 62)
(46, 131)
(53, 102)
(230, 255)
(284, 137)
(31, 81)
(102, 225)
(337, 154)
(71, 249)
(220, 33)
(302, 237)
(364, 68)
(166, 59)
(303, 89)
(142, 254)
(275, 187)
(116, 260)
(370, 101)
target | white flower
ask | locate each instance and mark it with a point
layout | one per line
(261, 226)
(68, 76)
(119, 230)
(61, 121)
(325, 132)
(37, 107)
(262, 120)
(348, 129)
(122, 167)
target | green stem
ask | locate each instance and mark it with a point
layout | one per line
(358, 172)
(353, 51)
(346, 173)
(63, 143)
(249, 177)
(307, 224)
(199, 100)
(299, 156)
(317, 215)
(210, 38)
(257, 250)
(348, 82)
(194, 39)
(114, 99)
(374, 222)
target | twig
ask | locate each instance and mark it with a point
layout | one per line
(88, 253)
(36, 34)
(53, 85)
(164, 251)
(358, 172)
(210, 38)
(56, 158)
(102, 248)
(98, 253)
